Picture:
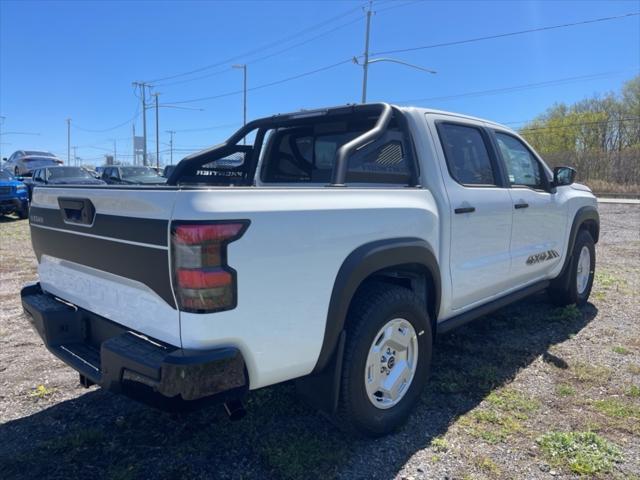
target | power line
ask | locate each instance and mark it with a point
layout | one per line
(525, 130)
(479, 93)
(396, 5)
(259, 49)
(102, 130)
(265, 85)
(509, 34)
(214, 127)
(265, 57)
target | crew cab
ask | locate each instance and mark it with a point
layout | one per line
(329, 250)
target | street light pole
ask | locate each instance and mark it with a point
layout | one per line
(391, 60)
(68, 141)
(2, 117)
(365, 65)
(243, 66)
(143, 96)
(171, 133)
(157, 134)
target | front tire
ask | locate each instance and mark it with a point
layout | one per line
(386, 359)
(23, 212)
(574, 286)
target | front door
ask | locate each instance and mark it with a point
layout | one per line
(480, 215)
(539, 218)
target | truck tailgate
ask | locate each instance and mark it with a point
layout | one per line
(106, 250)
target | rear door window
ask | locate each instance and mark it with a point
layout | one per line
(467, 154)
(302, 155)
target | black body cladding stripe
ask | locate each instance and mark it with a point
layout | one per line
(131, 229)
(146, 265)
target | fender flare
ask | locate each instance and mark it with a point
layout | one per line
(584, 214)
(359, 264)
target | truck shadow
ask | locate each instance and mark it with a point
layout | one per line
(106, 436)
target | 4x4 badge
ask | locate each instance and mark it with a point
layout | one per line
(541, 257)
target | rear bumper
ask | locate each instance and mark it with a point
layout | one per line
(127, 362)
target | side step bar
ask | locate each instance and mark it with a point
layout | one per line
(466, 317)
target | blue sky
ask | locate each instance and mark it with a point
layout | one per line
(79, 59)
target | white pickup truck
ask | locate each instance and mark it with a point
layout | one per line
(330, 249)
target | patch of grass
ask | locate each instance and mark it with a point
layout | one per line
(296, 455)
(584, 453)
(621, 350)
(613, 407)
(41, 392)
(487, 465)
(569, 313)
(510, 400)
(633, 391)
(634, 369)
(450, 381)
(77, 440)
(595, 374)
(439, 444)
(489, 425)
(609, 281)
(565, 390)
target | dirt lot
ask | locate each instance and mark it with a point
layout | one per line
(531, 391)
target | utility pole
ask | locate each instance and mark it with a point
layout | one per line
(115, 160)
(365, 65)
(133, 142)
(143, 96)
(243, 66)
(157, 133)
(68, 141)
(2, 117)
(172, 133)
(75, 155)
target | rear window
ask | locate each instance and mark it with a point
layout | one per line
(307, 155)
(39, 153)
(68, 172)
(138, 172)
(42, 161)
(467, 155)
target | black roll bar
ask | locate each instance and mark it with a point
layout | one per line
(342, 155)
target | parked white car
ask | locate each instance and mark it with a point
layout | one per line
(24, 162)
(330, 252)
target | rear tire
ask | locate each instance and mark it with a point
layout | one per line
(388, 345)
(574, 286)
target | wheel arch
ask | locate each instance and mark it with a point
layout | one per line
(586, 218)
(398, 260)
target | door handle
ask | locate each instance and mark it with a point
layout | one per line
(465, 210)
(521, 205)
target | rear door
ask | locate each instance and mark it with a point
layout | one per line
(105, 249)
(539, 217)
(481, 214)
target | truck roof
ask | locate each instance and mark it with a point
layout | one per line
(406, 108)
(426, 110)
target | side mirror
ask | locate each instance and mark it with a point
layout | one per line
(563, 176)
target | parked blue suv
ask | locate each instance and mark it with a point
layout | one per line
(14, 196)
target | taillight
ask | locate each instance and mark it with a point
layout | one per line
(203, 280)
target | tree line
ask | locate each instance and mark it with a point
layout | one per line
(599, 136)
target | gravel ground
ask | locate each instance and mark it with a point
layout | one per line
(500, 388)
